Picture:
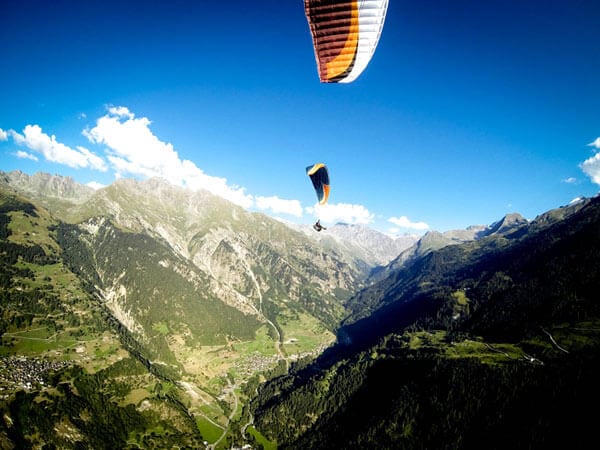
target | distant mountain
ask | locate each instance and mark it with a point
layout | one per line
(360, 242)
(43, 186)
(508, 224)
(492, 343)
(435, 240)
(55, 192)
(418, 269)
(222, 240)
(258, 260)
(379, 249)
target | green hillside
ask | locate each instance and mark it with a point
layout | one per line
(492, 344)
(163, 293)
(167, 338)
(66, 378)
(146, 316)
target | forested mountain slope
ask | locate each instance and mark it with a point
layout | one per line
(161, 300)
(468, 267)
(489, 344)
(68, 377)
(106, 310)
(167, 309)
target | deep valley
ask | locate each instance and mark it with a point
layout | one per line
(143, 315)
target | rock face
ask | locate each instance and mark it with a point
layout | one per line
(366, 244)
(254, 258)
(45, 186)
(247, 261)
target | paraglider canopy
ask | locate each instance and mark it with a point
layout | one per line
(320, 179)
(345, 34)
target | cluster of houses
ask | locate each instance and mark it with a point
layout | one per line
(253, 363)
(20, 372)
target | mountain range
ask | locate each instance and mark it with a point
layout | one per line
(200, 292)
(493, 343)
(197, 323)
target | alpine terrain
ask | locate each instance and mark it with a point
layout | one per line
(145, 315)
(166, 303)
(490, 343)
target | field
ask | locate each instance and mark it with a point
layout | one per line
(303, 334)
(266, 444)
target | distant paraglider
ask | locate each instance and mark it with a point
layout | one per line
(318, 227)
(345, 34)
(319, 175)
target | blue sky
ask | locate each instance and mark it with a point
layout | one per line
(468, 110)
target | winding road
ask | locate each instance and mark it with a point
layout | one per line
(230, 388)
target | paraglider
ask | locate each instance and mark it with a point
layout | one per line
(345, 34)
(319, 175)
(318, 227)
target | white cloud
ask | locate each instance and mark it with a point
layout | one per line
(342, 212)
(405, 222)
(35, 139)
(24, 155)
(134, 149)
(121, 111)
(570, 180)
(3, 135)
(278, 205)
(95, 185)
(591, 167)
(595, 144)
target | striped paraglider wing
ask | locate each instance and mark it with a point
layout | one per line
(345, 34)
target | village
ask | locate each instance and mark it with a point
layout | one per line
(20, 372)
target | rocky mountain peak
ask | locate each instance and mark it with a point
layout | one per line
(45, 185)
(508, 223)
